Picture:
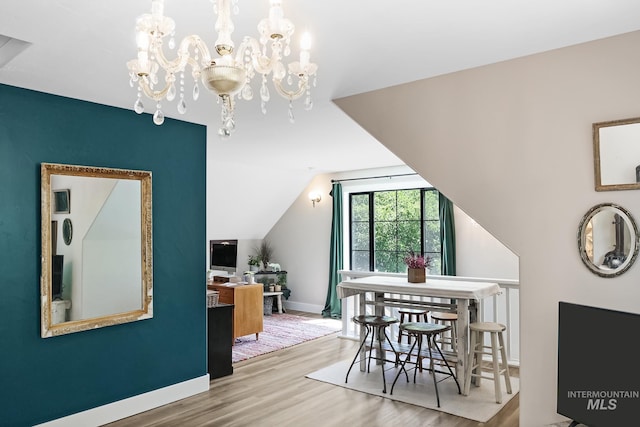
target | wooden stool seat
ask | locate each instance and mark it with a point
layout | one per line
(413, 315)
(376, 327)
(477, 349)
(450, 340)
(444, 316)
(421, 330)
(487, 327)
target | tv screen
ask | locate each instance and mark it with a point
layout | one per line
(598, 372)
(56, 276)
(223, 253)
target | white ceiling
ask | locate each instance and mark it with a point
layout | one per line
(79, 49)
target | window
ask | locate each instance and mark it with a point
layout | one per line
(386, 224)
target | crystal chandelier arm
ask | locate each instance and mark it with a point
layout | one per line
(262, 64)
(291, 94)
(184, 56)
(156, 95)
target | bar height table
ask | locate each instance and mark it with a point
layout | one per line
(465, 293)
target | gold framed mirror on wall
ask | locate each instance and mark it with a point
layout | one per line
(616, 152)
(102, 276)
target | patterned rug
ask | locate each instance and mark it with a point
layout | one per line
(282, 331)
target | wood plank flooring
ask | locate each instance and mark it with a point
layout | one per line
(271, 390)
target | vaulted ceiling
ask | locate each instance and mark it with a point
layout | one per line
(79, 48)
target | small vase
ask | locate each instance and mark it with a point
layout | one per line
(417, 275)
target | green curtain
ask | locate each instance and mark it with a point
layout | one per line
(333, 306)
(447, 236)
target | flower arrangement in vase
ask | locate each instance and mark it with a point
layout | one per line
(417, 267)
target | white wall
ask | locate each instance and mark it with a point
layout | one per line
(87, 196)
(115, 235)
(301, 238)
(479, 254)
(511, 145)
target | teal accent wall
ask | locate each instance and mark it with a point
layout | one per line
(44, 379)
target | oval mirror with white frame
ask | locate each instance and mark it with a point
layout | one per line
(616, 152)
(608, 240)
(104, 275)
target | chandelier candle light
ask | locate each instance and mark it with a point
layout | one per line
(225, 75)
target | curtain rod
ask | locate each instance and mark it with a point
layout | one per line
(372, 177)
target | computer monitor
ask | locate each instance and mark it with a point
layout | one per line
(223, 255)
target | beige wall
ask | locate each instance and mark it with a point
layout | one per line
(511, 145)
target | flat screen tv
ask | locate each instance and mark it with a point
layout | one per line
(223, 254)
(598, 369)
(56, 276)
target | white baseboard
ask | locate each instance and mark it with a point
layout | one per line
(301, 306)
(132, 405)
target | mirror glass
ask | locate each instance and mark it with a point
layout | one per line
(608, 240)
(97, 268)
(616, 148)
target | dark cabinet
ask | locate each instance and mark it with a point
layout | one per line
(219, 340)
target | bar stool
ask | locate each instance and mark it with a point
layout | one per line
(413, 315)
(477, 351)
(451, 339)
(376, 327)
(421, 330)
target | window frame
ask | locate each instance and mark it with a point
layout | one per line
(371, 220)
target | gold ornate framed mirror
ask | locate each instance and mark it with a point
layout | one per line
(616, 152)
(104, 275)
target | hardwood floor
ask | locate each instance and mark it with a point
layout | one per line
(271, 390)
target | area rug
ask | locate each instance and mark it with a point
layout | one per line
(480, 405)
(282, 331)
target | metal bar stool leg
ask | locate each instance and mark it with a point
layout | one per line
(362, 344)
(373, 334)
(402, 368)
(447, 364)
(418, 359)
(383, 332)
(433, 371)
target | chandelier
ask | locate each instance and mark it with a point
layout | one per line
(229, 73)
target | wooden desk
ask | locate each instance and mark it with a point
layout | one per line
(247, 311)
(465, 293)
